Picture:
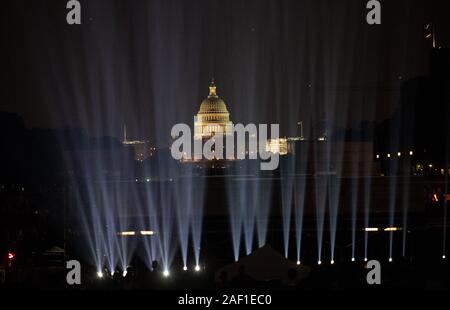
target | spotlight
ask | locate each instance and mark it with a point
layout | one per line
(443, 256)
(166, 273)
(399, 154)
(148, 180)
(112, 273)
(390, 259)
(353, 259)
(185, 268)
(332, 262)
(100, 274)
(298, 262)
(365, 259)
(124, 273)
(197, 268)
(319, 262)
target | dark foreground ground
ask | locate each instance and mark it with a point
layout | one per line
(424, 269)
(402, 275)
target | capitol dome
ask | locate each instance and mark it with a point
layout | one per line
(213, 104)
(213, 116)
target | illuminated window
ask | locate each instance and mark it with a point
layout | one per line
(147, 233)
(371, 229)
(127, 233)
(393, 229)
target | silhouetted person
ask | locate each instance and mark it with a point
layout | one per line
(117, 276)
(155, 266)
(155, 275)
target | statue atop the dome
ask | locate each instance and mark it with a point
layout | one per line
(212, 89)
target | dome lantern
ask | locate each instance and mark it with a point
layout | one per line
(212, 89)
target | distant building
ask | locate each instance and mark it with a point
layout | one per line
(213, 116)
(142, 149)
(212, 119)
(420, 124)
(279, 146)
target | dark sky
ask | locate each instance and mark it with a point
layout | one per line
(148, 63)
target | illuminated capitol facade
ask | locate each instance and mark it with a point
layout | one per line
(213, 117)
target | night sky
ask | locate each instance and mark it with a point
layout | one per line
(148, 63)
